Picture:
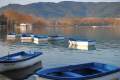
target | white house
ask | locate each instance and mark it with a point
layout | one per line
(25, 27)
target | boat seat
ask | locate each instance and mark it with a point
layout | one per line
(72, 74)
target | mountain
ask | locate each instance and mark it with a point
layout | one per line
(67, 8)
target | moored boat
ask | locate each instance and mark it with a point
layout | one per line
(40, 38)
(82, 44)
(87, 71)
(19, 60)
(11, 36)
(26, 38)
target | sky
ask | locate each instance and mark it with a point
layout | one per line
(6, 2)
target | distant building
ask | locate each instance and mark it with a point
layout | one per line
(24, 28)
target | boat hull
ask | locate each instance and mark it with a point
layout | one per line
(81, 42)
(114, 76)
(19, 65)
(26, 39)
(11, 37)
(83, 45)
(37, 40)
(87, 71)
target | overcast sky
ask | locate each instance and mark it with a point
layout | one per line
(6, 2)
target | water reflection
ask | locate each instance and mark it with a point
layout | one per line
(21, 74)
(60, 43)
(99, 33)
(3, 34)
(57, 53)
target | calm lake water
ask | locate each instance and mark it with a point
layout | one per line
(58, 54)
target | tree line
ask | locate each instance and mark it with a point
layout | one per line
(17, 18)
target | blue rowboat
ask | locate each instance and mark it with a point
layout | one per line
(19, 60)
(88, 71)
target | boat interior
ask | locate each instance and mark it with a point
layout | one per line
(20, 56)
(80, 71)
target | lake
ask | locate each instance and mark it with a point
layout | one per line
(58, 54)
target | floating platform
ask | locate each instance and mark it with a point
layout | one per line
(82, 44)
(26, 38)
(40, 38)
(87, 71)
(11, 36)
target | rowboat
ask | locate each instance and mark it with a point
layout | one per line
(40, 38)
(87, 71)
(56, 37)
(81, 41)
(11, 36)
(81, 44)
(19, 60)
(26, 38)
